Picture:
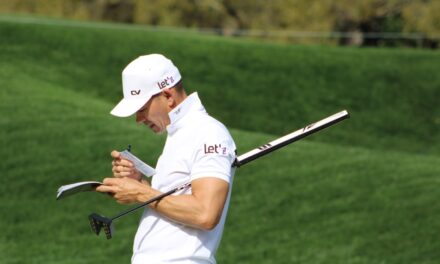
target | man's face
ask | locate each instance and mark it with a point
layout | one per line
(154, 114)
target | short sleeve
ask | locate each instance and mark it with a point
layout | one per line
(214, 156)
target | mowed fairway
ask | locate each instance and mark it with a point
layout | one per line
(363, 191)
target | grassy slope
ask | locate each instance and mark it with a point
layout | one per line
(330, 204)
(393, 94)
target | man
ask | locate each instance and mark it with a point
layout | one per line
(185, 227)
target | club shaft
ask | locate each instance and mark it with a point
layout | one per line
(156, 198)
(290, 138)
(259, 152)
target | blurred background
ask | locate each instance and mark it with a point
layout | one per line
(413, 23)
(363, 191)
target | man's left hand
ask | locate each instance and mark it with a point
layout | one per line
(125, 190)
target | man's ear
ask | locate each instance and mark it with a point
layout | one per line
(171, 100)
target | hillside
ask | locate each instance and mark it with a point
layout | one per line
(393, 94)
(335, 198)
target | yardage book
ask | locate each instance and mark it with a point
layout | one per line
(77, 187)
(87, 186)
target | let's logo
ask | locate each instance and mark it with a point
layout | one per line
(166, 82)
(215, 149)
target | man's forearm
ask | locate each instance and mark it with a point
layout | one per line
(185, 209)
(202, 209)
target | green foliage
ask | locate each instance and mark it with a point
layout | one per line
(361, 16)
(356, 193)
(423, 16)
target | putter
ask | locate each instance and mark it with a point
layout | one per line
(99, 222)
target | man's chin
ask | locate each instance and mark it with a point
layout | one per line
(159, 132)
(156, 130)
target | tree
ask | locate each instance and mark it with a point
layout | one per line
(423, 16)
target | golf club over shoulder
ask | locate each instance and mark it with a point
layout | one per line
(99, 222)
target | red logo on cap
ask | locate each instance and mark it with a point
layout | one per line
(167, 81)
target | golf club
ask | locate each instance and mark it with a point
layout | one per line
(99, 222)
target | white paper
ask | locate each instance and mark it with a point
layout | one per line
(144, 168)
(87, 186)
(77, 187)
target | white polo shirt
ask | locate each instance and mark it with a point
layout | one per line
(197, 146)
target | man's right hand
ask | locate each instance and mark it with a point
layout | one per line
(124, 168)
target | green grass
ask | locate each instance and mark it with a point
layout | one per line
(393, 94)
(364, 191)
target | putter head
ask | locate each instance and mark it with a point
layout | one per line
(98, 222)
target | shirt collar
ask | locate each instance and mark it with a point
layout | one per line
(191, 104)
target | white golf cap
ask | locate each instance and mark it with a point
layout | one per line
(143, 78)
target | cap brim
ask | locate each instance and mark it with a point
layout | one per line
(126, 107)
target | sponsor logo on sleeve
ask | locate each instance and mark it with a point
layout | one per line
(216, 148)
